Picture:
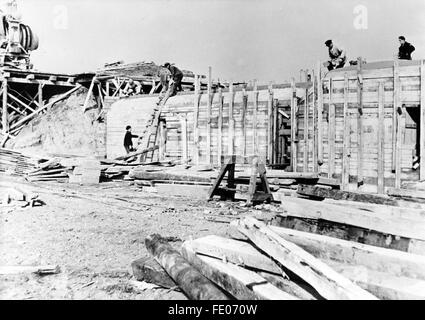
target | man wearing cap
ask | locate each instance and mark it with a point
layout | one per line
(176, 79)
(337, 55)
(405, 50)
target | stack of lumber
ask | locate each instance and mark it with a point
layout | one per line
(269, 262)
(86, 171)
(16, 163)
(51, 170)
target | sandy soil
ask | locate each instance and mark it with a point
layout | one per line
(94, 233)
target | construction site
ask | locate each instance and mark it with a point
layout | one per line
(306, 189)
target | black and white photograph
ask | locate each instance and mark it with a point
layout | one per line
(182, 150)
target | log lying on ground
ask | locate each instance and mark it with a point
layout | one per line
(148, 269)
(41, 270)
(190, 280)
(405, 226)
(392, 262)
(166, 176)
(327, 282)
(241, 283)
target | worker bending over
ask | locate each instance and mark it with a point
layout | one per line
(175, 82)
(132, 88)
(128, 140)
(337, 55)
(405, 50)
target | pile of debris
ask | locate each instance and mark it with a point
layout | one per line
(16, 163)
(15, 196)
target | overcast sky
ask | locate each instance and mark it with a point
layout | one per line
(269, 40)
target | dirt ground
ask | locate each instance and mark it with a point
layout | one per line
(94, 233)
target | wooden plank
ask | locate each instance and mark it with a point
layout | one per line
(5, 115)
(314, 124)
(162, 140)
(241, 283)
(305, 153)
(327, 282)
(381, 139)
(293, 126)
(359, 122)
(183, 122)
(270, 125)
(275, 131)
(346, 139)
(254, 119)
(196, 100)
(405, 193)
(231, 136)
(193, 283)
(422, 124)
(220, 127)
(392, 262)
(331, 133)
(89, 93)
(404, 226)
(319, 115)
(210, 97)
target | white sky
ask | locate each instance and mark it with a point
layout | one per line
(268, 40)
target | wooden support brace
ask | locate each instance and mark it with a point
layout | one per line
(359, 123)
(319, 115)
(422, 124)
(306, 113)
(270, 125)
(231, 136)
(381, 138)
(346, 142)
(210, 96)
(5, 116)
(331, 132)
(196, 100)
(396, 105)
(294, 138)
(244, 110)
(254, 118)
(220, 127)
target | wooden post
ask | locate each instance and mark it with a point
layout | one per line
(209, 117)
(319, 115)
(270, 125)
(305, 155)
(381, 138)
(294, 139)
(244, 107)
(231, 136)
(422, 125)
(183, 123)
(107, 88)
(5, 116)
(40, 95)
(314, 124)
(275, 131)
(195, 121)
(220, 127)
(162, 140)
(396, 105)
(331, 133)
(254, 119)
(89, 93)
(346, 142)
(359, 122)
(401, 120)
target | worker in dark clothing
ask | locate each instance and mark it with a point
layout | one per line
(337, 55)
(128, 140)
(176, 79)
(405, 50)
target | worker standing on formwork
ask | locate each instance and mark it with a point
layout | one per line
(164, 78)
(405, 50)
(337, 54)
(132, 88)
(175, 83)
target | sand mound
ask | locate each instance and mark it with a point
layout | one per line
(64, 129)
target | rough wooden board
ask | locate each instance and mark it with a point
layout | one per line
(148, 269)
(383, 222)
(328, 283)
(193, 283)
(241, 283)
(392, 262)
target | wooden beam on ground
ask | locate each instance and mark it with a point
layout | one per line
(241, 283)
(392, 262)
(41, 270)
(381, 139)
(149, 270)
(422, 124)
(346, 139)
(210, 97)
(327, 282)
(404, 226)
(190, 280)
(231, 135)
(220, 127)
(48, 105)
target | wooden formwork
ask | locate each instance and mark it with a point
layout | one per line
(364, 125)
